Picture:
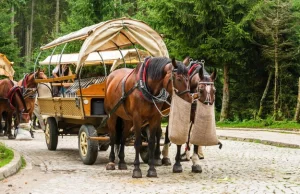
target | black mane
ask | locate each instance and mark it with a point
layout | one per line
(181, 68)
(156, 67)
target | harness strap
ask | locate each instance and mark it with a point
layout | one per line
(194, 70)
(11, 94)
(123, 97)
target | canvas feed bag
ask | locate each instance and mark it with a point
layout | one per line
(179, 120)
(203, 132)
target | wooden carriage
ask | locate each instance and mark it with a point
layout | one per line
(78, 109)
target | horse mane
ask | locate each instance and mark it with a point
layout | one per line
(156, 66)
(181, 68)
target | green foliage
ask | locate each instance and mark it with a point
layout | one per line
(220, 32)
(6, 155)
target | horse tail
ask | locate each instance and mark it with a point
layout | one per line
(119, 130)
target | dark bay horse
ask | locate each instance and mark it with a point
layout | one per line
(29, 88)
(12, 102)
(144, 90)
(202, 87)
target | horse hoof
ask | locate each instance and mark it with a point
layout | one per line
(166, 162)
(157, 162)
(152, 173)
(110, 166)
(137, 173)
(196, 168)
(177, 168)
(122, 166)
(11, 136)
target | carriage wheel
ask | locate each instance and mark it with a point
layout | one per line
(51, 133)
(88, 150)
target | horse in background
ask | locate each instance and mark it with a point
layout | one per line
(29, 88)
(12, 102)
(146, 87)
(201, 86)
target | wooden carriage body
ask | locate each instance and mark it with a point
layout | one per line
(79, 109)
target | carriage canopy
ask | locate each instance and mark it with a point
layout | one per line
(114, 58)
(113, 35)
(6, 67)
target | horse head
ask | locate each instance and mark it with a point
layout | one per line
(180, 80)
(29, 79)
(39, 74)
(202, 83)
(18, 102)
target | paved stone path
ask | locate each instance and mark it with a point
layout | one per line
(240, 167)
(279, 138)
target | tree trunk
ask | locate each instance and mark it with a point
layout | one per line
(276, 91)
(225, 100)
(57, 18)
(27, 43)
(262, 100)
(12, 21)
(30, 32)
(296, 118)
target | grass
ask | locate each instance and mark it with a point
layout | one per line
(6, 155)
(23, 162)
(267, 124)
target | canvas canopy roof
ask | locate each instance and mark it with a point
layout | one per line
(114, 34)
(6, 67)
(114, 58)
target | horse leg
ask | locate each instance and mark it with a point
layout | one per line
(186, 155)
(1, 128)
(9, 123)
(137, 173)
(157, 160)
(165, 151)
(126, 128)
(151, 147)
(177, 168)
(200, 153)
(196, 168)
(111, 123)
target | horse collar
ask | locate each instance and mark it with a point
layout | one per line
(144, 90)
(194, 70)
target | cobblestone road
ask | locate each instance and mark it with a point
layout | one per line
(240, 167)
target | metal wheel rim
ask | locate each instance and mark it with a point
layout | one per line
(47, 133)
(83, 144)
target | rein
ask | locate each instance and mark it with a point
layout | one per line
(12, 92)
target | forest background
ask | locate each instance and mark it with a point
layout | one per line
(253, 44)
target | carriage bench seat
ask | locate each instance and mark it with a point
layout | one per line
(84, 83)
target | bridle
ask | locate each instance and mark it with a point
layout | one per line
(175, 89)
(208, 88)
(208, 85)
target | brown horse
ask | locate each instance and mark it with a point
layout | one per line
(12, 102)
(29, 88)
(202, 85)
(143, 91)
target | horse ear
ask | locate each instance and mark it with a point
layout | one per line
(186, 61)
(174, 63)
(201, 74)
(213, 76)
